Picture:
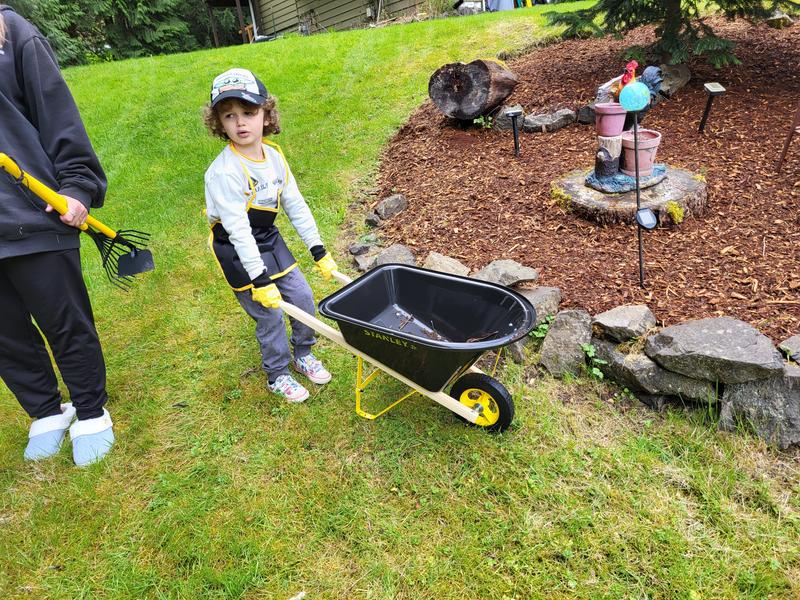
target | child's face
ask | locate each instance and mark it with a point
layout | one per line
(243, 122)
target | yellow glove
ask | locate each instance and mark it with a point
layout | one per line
(269, 295)
(326, 266)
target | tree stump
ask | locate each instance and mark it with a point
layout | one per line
(468, 91)
(606, 163)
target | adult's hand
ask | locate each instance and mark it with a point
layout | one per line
(76, 212)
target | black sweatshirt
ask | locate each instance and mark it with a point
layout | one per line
(40, 128)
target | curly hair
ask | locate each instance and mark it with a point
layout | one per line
(2, 30)
(214, 125)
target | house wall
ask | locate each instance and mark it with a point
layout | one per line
(283, 16)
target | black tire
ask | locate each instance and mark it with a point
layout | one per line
(474, 388)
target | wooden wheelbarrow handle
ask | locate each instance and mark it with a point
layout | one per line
(54, 199)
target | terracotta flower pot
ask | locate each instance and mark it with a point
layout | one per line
(648, 145)
(609, 118)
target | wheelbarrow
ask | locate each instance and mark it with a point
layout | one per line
(427, 329)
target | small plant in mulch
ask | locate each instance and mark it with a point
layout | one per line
(484, 122)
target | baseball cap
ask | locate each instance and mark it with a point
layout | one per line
(238, 83)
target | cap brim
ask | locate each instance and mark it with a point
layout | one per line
(239, 95)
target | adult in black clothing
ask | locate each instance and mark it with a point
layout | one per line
(40, 270)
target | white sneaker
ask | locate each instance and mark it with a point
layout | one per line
(286, 386)
(312, 368)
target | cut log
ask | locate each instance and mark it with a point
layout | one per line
(472, 90)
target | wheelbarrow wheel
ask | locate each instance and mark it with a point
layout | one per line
(478, 389)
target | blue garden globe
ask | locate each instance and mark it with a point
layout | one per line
(634, 96)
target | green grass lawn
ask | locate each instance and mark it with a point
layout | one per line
(216, 489)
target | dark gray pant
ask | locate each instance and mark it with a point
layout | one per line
(49, 287)
(270, 327)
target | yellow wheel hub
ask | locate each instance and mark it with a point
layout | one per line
(475, 398)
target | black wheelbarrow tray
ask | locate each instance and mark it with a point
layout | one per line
(427, 329)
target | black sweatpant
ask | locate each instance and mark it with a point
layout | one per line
(49, 287)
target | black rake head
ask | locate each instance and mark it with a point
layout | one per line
(124, 256)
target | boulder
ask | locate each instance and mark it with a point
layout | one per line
(779, 20)
(586, 115)
(357, 248)
(770, 406)
(544, 299)
(717, 349)
(365, 262)
(516, 350)
(502, 121)
(791, 347)
(445, 264)
(640, 374)
(625, 322)
(396, 253)
(562, 350)
(674, 77)
(373, 220)
(391, 206)
(548, 122)
(506, 272)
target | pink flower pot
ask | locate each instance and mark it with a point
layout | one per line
(609, 118)
(648, 144)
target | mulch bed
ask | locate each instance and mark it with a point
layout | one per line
(471, 199)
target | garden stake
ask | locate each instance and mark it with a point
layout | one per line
(123, 252)
(514, 114)
(638, 195)
(713, 89)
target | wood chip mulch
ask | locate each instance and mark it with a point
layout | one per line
(471, 199)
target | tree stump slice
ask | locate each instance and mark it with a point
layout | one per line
(686, 189)
(471, 90)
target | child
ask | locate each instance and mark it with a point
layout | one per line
(246, 186)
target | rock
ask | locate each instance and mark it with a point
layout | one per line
(779, 20)
(770, 406)
(674, 78)
(656, 402)
(502, 121)
(468, 8)
(391, 206)
(373, 220)
(516, 350)
(791, 347)
(717, 349)
(357, 248)
(506, 272)
(365, 262)
(396, 253)
(445, 264)
(625, 322)
(547, 123)
(586, 115)
(544, 299)
(561, 350)
(640, 374)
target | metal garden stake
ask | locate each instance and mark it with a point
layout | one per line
(713, 89)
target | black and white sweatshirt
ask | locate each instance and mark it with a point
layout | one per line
(40, 129)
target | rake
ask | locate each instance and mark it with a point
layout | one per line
(123, 252)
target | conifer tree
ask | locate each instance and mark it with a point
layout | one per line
(680, 26)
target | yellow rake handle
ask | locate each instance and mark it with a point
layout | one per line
(54, 199)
